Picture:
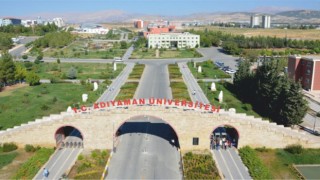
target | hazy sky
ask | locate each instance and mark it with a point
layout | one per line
(157, 7)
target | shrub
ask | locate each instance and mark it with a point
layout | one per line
(30, 148)
(294, 149)
(256, 168)
(8, 147)
(44, 107)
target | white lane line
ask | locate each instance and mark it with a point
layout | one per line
(235, 164)
(224, 161)
(61, 165)
(51, 167)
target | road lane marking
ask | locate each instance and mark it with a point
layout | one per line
(64, 162)
(235, 165)
(56, 160)
(225, 163)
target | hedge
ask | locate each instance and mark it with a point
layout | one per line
(256, 168)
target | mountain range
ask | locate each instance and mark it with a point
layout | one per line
(112, 16)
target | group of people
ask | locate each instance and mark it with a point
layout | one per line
(218, 143)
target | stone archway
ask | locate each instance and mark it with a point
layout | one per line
(225, 132)
(68, 136)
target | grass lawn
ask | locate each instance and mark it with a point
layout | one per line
(174, 72)
(179, 91)
(7, 158)
(279, 161)
(28, 103)
(31, 167)
(229, 99)
(163, 54)
(127, 91)
(90, 166)
(84, 70)
(209, 71)
(136, 71)
(85, 49)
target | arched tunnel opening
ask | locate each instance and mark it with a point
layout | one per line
(224, 136)
(68, 136)
(150, 125)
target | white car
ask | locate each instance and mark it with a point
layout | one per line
(231, 71)
(193, 92)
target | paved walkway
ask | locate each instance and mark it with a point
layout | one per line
(230, 164)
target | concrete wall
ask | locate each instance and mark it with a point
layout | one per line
(97, 128)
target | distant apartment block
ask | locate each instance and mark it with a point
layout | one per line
(9, 21)
(266, 21)
(173, 40)
(254, 21)
(59, 22)
(305, 70)
(138, 24)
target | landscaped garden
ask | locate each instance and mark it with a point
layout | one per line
(209, 70)
(178, 87)
(41, 100)
(88, 49)
(199, 166)
(127, 91)
(90, 166)
(81, 70)
(137, 71)
(145, 53)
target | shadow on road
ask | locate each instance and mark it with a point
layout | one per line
(161, 130)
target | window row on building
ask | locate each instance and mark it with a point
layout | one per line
(173, 40)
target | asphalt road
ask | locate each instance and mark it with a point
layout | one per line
(61, 161)
(230, 164)
(145, 151)
(19, 49)
(154, 82)
(113, 90)
(192, 85)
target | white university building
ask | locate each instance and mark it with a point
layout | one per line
(173, 40)
(266, 21)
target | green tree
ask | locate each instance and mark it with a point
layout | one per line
(24, 56)
(33, 79)
(292, 105)
(72, 73)
(7, 68)
(21, 72)
(58, 61)
(123, 45)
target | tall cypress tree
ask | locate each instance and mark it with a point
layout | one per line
(7, 68)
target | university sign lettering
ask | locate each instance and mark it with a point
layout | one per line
(150, 101)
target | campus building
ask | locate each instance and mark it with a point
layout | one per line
(173, 40)
(305, 70)
(10, 21)
(59, 22)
